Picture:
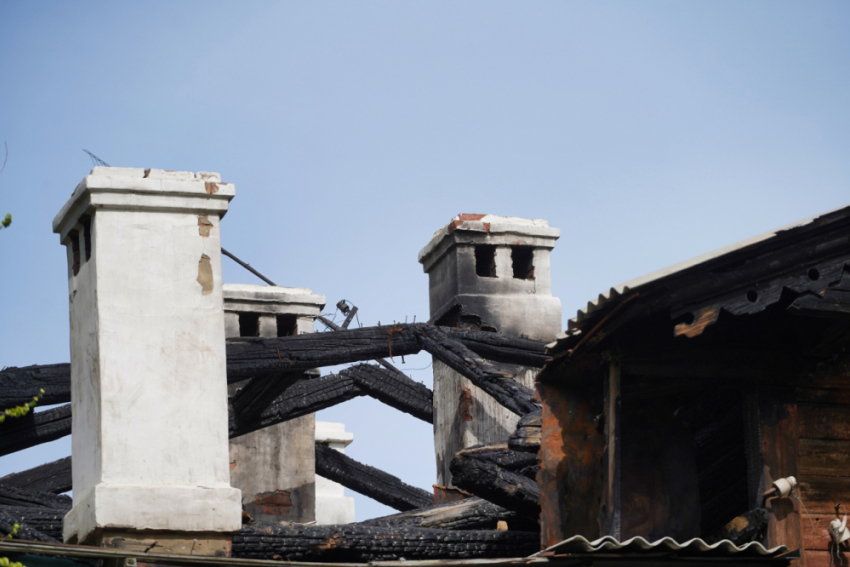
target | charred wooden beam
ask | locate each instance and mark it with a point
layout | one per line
(54, 478)
(500, 347)
(394, 389)
(34, 428)
(369, 481)
(358, 543)
(10, 496)
(261, 391)
(250, 357)
(20, 385)
(742, 529)
(499, 475)
(528, 434)
(39, 524)
(500, 385)
(467, 514)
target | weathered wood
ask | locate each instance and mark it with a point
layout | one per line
(261, 391)
(528, 434)
(610, 518)
(359, 543)
(25, 531)
(34, 428)
(824, 422)
(46, 521)
(499, 475)
(467, 514)
(54, 477)
(499, 385)
(20, 385)
(369, 481)
(824, 457)
(10, 496)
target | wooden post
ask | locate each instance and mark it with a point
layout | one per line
(610, 512)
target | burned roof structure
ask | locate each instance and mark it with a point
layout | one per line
(659, 423)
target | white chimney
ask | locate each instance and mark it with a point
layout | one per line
(274, 467)
(148, 364)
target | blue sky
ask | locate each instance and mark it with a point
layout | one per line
(647, 132)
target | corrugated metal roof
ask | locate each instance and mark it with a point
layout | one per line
(633, 285)
(638, 545)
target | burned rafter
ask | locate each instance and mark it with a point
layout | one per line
(471, 513)
(369, 481)
(500, 475)
(21, 385)
(11, 496)
(497, 383)
(25, 531)
(33, 429)
(38, 524)
(53, 477)
(361, 543)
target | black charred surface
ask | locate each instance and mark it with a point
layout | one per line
(369, 481)
(37, 524)
(500, 385)
(500, 475)
(467, 514)
(358, 543)
(10, 496)
(742, 529)
(261, 391)
(20, 385)
(17, 433)
(528, 434)
(499, 347)
(52, 477)
(394, 389)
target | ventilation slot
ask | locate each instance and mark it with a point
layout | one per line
(485, 261)
(287, 325)
(522, 258)
(249, 324)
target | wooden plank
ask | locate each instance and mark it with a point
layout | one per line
(821, 559)
(369, 481)
(824, 422)
(832, 373)
(817, 539)
(822, 457)
(778, 417)
(838, 396)
(20, 385)
(52, 477)
(610, 511)
(822, 493)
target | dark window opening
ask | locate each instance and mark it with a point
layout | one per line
(75, 250)
(522, 258)
(86, 222)
(287, 325)
(485, 261)
(249, 324)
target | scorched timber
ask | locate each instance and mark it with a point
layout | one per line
(500, 386)
(17, 433)
(358, 543)
(499, 475)
(20, 385)
(499, 347)
(52, 477)
(46, 521)
(467, 514)
(309, 396)
(10, 496)
(369, 481)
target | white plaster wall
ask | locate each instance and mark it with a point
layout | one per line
(332, 506)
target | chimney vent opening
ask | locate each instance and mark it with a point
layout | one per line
(485, 261)
(249, 324)
(287, 325)
(522, 258)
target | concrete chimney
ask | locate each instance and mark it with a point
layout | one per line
(489, 270)
(148, 364)
(275, 467)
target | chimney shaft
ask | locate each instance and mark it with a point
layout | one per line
(492, 271)
(148, 364)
